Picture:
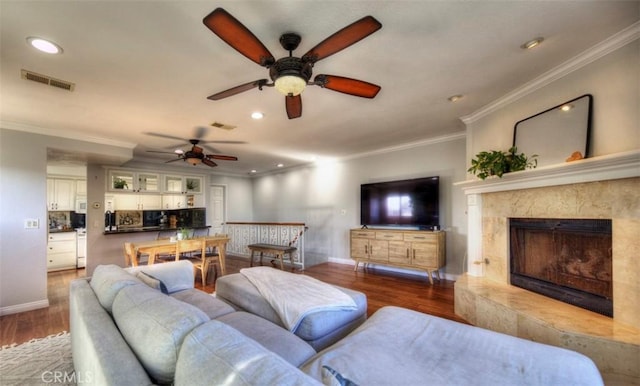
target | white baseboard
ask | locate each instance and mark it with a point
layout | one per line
(24, 307)
(389, 268)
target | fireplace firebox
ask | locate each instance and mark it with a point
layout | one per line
(566, 259)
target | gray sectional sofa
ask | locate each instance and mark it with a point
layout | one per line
(150, 326)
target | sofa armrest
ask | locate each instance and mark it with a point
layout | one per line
(176, 275)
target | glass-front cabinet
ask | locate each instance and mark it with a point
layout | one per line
(182, 184)
(130, 181)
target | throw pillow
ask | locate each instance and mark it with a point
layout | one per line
(331, 377)
(152, 282)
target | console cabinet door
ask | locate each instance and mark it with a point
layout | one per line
(379, 251)
(425, 254)
(359, 248)
(400, 252)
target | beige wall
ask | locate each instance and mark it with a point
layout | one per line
(614, 82)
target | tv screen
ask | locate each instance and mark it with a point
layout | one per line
(401, 203)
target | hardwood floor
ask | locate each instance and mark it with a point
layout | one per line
(381, 287)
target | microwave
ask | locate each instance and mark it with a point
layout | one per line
(81, 205)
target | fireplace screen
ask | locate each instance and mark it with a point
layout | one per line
(569, 260)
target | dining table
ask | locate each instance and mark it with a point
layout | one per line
(153, 248)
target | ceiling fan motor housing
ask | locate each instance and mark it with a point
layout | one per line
(291, 66)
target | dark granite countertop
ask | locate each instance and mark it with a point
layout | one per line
(122, 230)
(56, 230)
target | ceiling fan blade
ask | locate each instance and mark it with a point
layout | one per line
(196, 149)
(342, 39)
(208, 162)
(294, 106)
(347, 85)
(163, 152)
(237, 89)
(201, 131)
(164, 136)
(229, 29)
(174, 160)
(222, 157)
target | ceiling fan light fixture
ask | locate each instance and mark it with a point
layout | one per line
(290, 85)
(193, 161)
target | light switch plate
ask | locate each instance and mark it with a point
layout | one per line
(31, 223)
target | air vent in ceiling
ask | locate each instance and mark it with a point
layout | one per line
(223, 126)
(53, 82)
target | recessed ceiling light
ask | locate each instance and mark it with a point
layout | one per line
(254, 171)
(455, 98)
(44, 45)
(179, 151)
(532, 43)
(280, 165)
(566, 107)
(257, 115)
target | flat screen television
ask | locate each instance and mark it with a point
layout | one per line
(413, 203)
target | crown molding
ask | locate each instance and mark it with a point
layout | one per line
(64, 134)
(596, 52)
(430, 141)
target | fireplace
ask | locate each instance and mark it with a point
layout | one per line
(566, 259)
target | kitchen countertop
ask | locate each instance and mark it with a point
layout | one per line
(56, 230)
(148, 229)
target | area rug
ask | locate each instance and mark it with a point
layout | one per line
(45, 361)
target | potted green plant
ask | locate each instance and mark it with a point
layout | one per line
(119, 183)
(498, 162)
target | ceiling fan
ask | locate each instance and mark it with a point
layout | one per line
(196, 154)
(290, 75)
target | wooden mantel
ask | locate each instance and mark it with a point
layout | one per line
(608, 167)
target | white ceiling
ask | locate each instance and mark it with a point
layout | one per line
(148, 66)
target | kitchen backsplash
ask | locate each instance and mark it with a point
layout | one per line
(66, 220)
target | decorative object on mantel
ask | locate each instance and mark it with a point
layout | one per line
(576, 155)
(498, 162)
(557, 132)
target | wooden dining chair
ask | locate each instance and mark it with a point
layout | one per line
(194, 250)
(130, 257)
(164, 257)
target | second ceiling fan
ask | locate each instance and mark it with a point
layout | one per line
(290, 75)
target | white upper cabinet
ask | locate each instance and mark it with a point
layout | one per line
(131, 181)
(61, 194)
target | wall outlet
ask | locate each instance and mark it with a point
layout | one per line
(31, 223)
(343, 212)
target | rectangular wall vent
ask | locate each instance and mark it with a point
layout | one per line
(53, 82)
(223, 126)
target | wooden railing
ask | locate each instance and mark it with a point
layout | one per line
(279, 233)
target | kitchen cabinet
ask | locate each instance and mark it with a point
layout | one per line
(133, 181)
(182, 184)
(61, 251)
(61, 194)
(81, 187)
(137, 202)
(174, 201)
(423, 250)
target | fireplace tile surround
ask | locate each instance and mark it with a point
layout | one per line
(600, 188)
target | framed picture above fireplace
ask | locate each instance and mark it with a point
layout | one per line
(558, 133)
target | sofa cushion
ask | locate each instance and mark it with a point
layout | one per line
(108, 280)
(272, 337)
(397, 346)
(176, 275)
(205, 302)
(217, 354)
(154, 325)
